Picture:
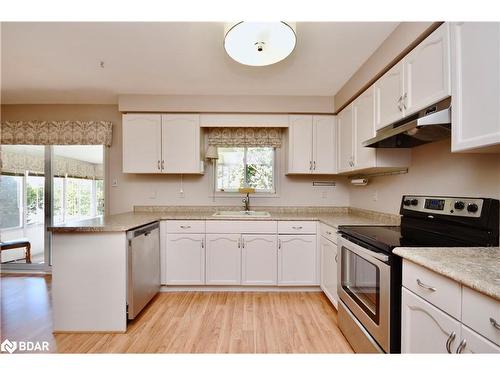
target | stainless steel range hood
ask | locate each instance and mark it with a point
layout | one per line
(430, 124)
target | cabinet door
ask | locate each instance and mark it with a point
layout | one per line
(185, 259)
(388, 92)
(223, 259)
(473, 342)
(259, 260)
(364, 129)
(345, 139)
(426, 329)
(181, 143)
(300, 143)
(475, 56)
(329, 269)
(324, 145)
(297, 260)
(141, 143)
(427, 71)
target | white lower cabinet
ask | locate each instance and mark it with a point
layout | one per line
(259, 259)
(425, 328)
(472, 342)
(297, 260)
(223, 259)
(328, 279)
(185, 259)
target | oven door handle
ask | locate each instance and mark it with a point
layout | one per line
(368, 253)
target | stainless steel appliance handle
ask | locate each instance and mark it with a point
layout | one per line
(461, 346)
(494, 323)
(368, 253)
(449, 341)
(425, 286)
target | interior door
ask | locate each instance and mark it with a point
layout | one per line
(364, 129)
(300, 144)
(223, 259)
(181, 143)
(427, 71)
(141, 143)
(345, 139)
(389, 91)
(324, 145)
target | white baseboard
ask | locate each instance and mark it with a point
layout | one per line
(238, 288)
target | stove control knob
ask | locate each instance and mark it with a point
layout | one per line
(459, 205)
(406, 202)
(472, 207)
(414, 202)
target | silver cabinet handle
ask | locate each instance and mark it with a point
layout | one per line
(310, 165)
(449, 341)
(185, 226)
(296, 228)
(239, 243)
(279, 244)
(163, 164)
(405, 96)
(202, 243)
(461, 346)
(314, 165)
(399, 104)
(421, 284)
(159, 165)
(494, 323)
(243, 243)
(336, 258)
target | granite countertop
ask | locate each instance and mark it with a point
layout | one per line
(475, 267)
(130, 220)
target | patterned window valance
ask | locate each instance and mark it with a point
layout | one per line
(239, 137)
(56, 133)
(18, 162)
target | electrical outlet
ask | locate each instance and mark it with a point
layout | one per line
(114, 183)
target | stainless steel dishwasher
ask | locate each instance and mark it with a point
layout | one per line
(143, 263)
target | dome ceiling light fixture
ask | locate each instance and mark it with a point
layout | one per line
(259, 43)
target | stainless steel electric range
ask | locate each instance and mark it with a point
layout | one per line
(369, 284)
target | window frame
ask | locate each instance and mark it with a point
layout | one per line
(271, 192)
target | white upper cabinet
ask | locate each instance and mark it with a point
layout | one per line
(300, 144)
(420, 79)
(389, 91)
(181, 143)
(345, 123)
(364, 128)
(475, 56)
(312, 144)
(154, 143)
(141, 143)
(427, 71)
(324, 144)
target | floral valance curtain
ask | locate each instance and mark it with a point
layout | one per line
(19, 161)
(56, 133)
(240, 137)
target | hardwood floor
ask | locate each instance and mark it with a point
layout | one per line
(184, 322)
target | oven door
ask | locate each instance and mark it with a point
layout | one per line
(364, 286)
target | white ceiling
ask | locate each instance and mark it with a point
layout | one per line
(59, 62)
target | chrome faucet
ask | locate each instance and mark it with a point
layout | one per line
(246, 202)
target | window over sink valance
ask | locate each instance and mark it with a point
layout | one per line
(37, 132)
(241, 137)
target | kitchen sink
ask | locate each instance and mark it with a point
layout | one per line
(242, 214)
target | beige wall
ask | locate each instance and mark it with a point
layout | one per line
(396, 43)
(164, 189)
(433, 170)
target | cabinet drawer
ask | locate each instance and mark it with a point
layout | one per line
(185, 226)
(434, 288)
(328, 232)
(241, 226)
(477, 310)
(293, 227)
